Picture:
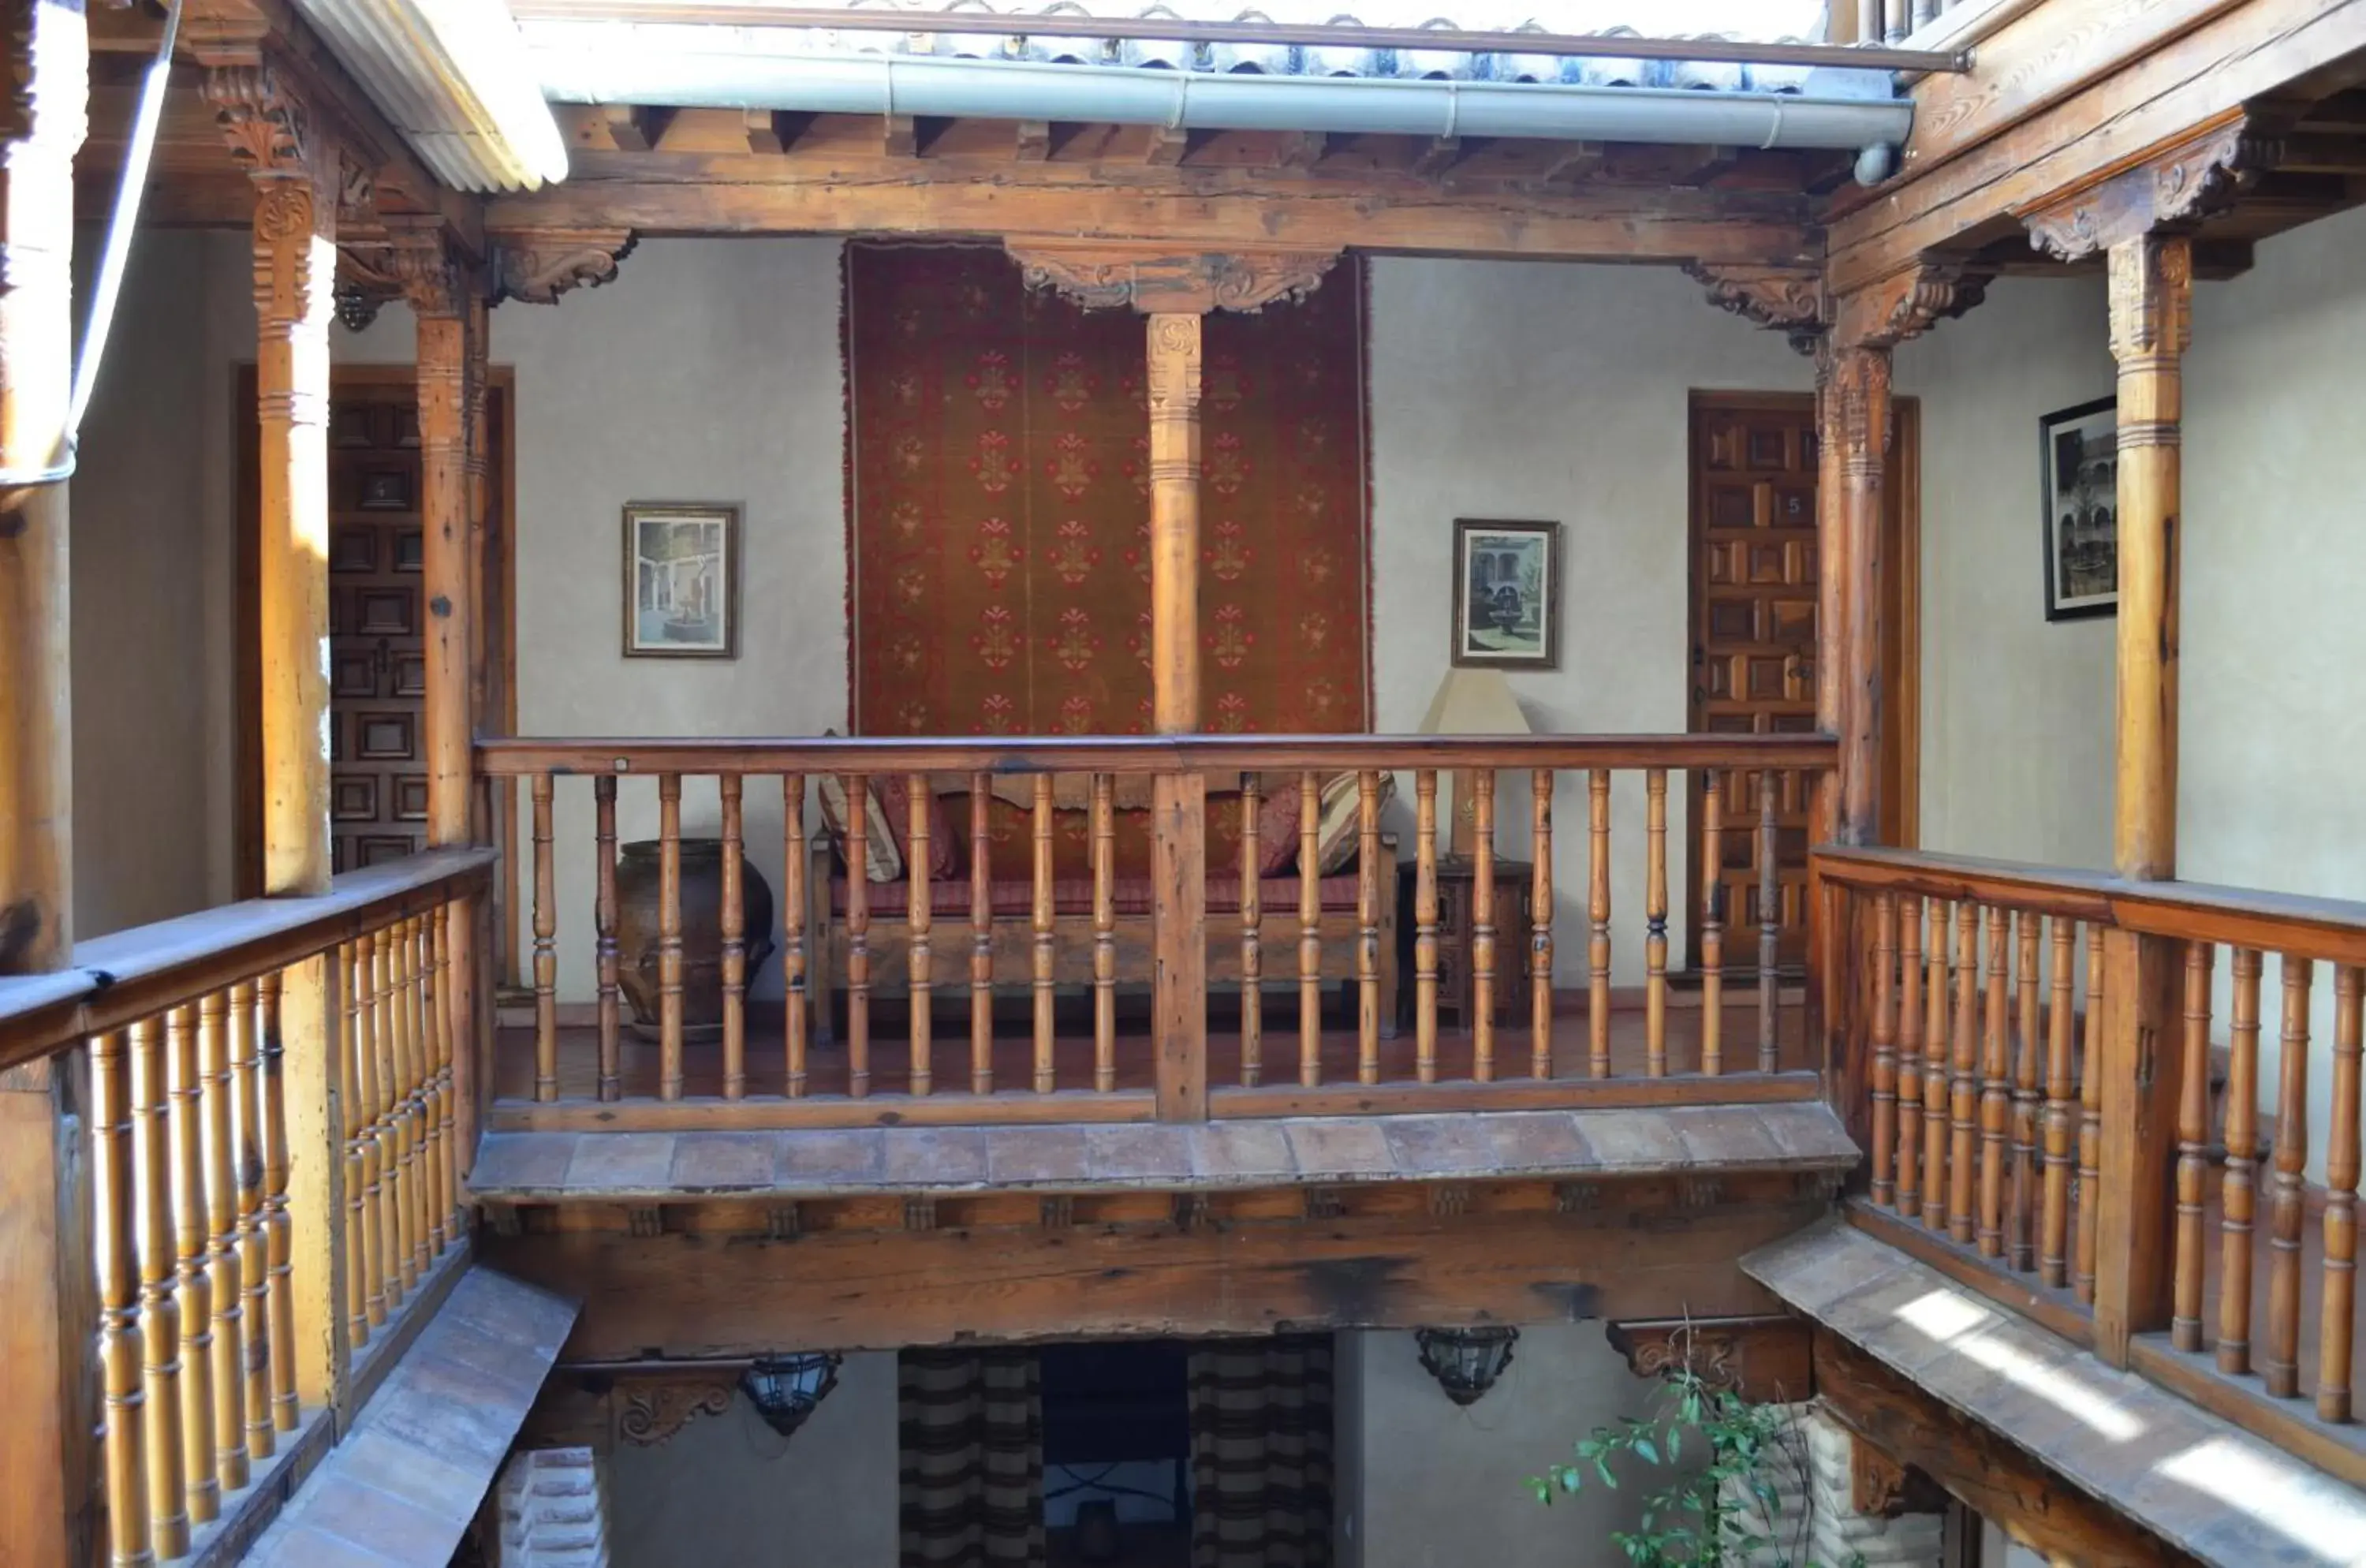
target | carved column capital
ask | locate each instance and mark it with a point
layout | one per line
(1789, 299)
(537, 265)
(1160, 278)
(1174, 365)
(2151, 298)
(1858, 394)
(268, 126)
(1905, 304)
(2178, 186)
(426, 272)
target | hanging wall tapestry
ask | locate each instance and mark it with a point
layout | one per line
(1000, 501)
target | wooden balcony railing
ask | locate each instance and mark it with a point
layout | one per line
(274, 1159)
(1205, 922)
(1977, 1065)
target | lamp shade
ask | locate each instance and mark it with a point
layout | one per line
(1471, 702)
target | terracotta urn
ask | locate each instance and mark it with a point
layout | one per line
(638, 874)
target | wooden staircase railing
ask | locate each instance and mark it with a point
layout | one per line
(273, 1147)
(1976, 1006)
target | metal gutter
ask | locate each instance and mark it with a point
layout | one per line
(695, 67)
(1168, 30)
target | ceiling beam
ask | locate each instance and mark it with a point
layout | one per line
(1213, 209)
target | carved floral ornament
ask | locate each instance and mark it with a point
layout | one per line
(537, 265)
(1788, 300)
(2189, 182)
(266, 124)
(1159, 279)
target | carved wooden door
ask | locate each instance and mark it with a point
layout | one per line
(378, 778)
(1754, 639)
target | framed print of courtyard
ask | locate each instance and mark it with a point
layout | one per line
(1506, 595)
(2079, 452)
(681, 579)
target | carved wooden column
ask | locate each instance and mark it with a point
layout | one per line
(437, 289)
(1175, 290)
(2139, 216)
(43, 121)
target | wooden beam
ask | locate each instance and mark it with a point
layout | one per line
(2102, 128)
(719, 1295)
(632, 127)
(899, 136)
(42, 128)
(1033, 142)
(1213, 209)
(1572, 161)
(1983, 1470)
(1303, 149)
(1167, 146)
(1764, 1360)
(771, 132)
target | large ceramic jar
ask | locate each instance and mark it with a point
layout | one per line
(637, 875)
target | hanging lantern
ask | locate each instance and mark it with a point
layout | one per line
(1465, 1361)
(785, 1390)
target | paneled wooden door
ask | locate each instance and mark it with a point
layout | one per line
(377, 781)
(1754, 582)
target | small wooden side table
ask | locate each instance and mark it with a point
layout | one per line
(1457, 880)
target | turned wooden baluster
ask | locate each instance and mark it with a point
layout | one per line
(2280, 1366)
(546, 948)
(2090, 1127)
(187, 1194)
(277, 1226)
(253, 1353)
(361, 1208)
(1483, 922)
(2192, 1152)
(1770, 925)
(1655, 924)
(1425, 925)
(384, 1133)
(1712, 953)
(1938, 1088)
(2021, 1232)
(669, 959)
(402, 1192)
(1368, 928)
(1909, 1056)
(1252, 939)
(1996, 1086)
(1964, 1086)
(1540, 924)
(796, 1022)
(919, 915)
(115, 1205)
(1885, 1050)
(1104, 835)
(225, 1283)
(434, 1043)
(1597, 913)
(981, 935)
(2060, 1129)
(2342, 1170)
(2237, 1192)
(858, 935)
(160, 1383)
(732, 936)
(1044, 933)
(604, 922)
(1309, 930)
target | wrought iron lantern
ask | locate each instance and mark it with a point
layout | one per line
(785, 1390)
(1466, 1361)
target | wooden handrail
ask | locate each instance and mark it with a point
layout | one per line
(2331, 928)
(138, 973)
(523, 757)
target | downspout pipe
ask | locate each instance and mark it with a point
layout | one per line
(1842, 113)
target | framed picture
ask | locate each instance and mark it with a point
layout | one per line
(681, 579)
(2080, 484)
(1506, 595)
(387, 489)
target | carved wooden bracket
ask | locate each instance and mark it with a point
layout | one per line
(2190, 180)
(1764, 1360)
(1790, 299)
(538, 266)
(426, 272)
(268, 127)
(1905, 304)
(1152, 278)
(651, 1410)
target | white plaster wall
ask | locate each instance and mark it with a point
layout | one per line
(1426, 1484)
(1535, 390)
(727, 1489)
(2017, 711)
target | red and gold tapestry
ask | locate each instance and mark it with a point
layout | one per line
(1000, 506)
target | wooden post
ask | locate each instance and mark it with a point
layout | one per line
(437, 288)
(1179, 882)
(296, 176)
(2151, 285)
(1851, 521)
(46, 1272)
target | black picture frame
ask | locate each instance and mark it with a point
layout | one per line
(2078, 469)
